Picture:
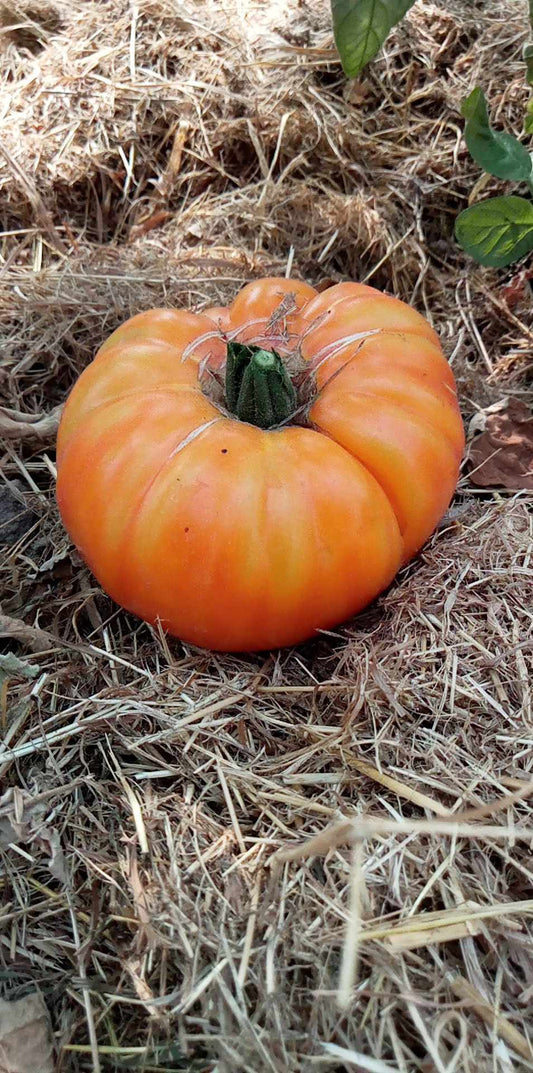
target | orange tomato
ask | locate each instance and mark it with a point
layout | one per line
(238, 537)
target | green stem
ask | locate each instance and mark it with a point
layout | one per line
(258, 387)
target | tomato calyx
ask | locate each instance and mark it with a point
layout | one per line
(259, 389)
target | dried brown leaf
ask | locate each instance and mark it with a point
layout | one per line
(22, 821)
(35, 639)
(503, 453)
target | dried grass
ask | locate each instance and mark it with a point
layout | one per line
(313, 859)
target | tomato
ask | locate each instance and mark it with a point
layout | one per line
(254, 519)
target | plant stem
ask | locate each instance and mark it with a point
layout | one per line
(258, 387)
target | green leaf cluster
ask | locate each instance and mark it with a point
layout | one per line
(494, 232)
(497, 231)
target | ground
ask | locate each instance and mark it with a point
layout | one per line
(249, 862)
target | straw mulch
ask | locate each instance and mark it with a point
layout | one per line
(314, 859)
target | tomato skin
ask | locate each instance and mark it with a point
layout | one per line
(219, 315)
(236, 538)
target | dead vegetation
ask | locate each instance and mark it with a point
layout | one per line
(319, 858)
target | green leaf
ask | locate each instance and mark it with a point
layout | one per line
(497, 231)
(360, 28)
(496, 152)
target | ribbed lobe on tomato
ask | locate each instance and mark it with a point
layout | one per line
(408, 436)
(190, 333)
(121, 371)
(220, 317)
(339, 292)
(262, 298)
(390, 400)
(258, 551)
(109, 461)
(390, 351)
(251, 313)
(352, 317)
(394, 370)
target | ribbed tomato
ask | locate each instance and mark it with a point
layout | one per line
(239, 537)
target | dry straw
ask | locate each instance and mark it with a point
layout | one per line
(313, 859)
